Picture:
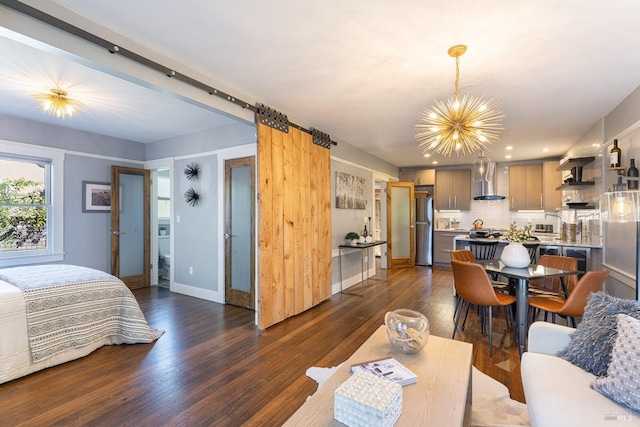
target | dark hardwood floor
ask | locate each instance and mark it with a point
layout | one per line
(214, 367)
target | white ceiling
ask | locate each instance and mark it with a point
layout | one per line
(359, 70)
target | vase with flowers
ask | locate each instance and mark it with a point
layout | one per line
(515, 254)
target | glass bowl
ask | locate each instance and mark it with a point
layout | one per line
(408, 330)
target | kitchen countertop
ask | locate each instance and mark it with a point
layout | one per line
(549, 240)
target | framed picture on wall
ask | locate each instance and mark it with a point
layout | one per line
(350, 191)
(96, 196)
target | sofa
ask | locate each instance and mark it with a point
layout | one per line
(559, 393)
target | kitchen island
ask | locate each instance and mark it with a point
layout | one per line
(589, 253)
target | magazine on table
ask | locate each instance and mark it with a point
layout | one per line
(388, 368)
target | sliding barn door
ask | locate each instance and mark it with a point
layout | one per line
(294, 226)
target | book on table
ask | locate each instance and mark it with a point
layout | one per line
(388, 368)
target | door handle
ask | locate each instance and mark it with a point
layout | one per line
(226, 236)
(117, 233)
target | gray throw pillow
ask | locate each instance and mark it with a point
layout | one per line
(622, 382)
(592, 342)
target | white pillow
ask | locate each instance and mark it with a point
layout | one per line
(622, 382)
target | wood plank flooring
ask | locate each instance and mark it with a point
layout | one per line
(214, 367)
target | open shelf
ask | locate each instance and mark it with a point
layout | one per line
(575, 184)
(573, 163)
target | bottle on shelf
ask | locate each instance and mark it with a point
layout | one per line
(632, 172)
(615, 155)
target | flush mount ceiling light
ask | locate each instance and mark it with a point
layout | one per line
(57, 103)
(459, 125)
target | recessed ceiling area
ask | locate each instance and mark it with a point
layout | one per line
(363, 71)
(111, 106)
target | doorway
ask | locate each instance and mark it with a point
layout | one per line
(239, 234)
(162, 198)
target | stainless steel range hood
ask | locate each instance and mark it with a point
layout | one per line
(487, 184)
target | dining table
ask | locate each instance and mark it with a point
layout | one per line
(522, 276)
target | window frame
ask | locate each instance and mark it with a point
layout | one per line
(54, 181)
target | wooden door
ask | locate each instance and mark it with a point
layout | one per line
(130, 226)
(240, 232)
(294, 224)
(401, 246)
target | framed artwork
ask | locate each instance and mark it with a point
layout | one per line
(350, 191)
(96, 196)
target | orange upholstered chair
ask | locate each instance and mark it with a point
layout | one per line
(574, 305)
(473, 285)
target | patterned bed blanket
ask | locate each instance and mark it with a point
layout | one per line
(70, 306)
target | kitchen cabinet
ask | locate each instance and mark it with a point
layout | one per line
(525, 187)
(442, 246)
(418, 176)
(453, 189)
(551, 178)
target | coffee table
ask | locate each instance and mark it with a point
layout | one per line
(440, 397)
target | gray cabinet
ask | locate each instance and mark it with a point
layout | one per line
(418, 176)
(442, 246)
(453, 189)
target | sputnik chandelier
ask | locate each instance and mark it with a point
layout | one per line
(459, 125)
(57, 103)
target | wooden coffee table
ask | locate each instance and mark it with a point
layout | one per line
(440, 397)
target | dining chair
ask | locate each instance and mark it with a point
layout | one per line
(532, 248)
(553, 285)
(572, 306)
(473, 285)
(484, 250)
(467, 255)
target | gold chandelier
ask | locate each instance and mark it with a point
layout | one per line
(57, 103)
(459, 125)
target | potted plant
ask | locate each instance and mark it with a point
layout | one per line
(352, 238)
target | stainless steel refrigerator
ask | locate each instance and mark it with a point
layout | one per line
(424, 228)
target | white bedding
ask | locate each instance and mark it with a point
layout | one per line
(15, 356)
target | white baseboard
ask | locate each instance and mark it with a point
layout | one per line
(192, 291)
(348, 282)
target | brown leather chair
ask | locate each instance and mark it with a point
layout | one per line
(552, 286)
(574, 305)
(467, 255)
(473, 285)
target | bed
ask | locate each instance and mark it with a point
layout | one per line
(51, 314)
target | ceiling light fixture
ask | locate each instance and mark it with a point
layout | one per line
(459, 125)
(57, 103)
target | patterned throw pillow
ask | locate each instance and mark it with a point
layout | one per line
(622, 382)
(592, 342)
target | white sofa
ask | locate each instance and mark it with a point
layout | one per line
(558, 393)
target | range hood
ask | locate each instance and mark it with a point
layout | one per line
(487, 184)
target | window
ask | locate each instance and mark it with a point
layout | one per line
(30, 212)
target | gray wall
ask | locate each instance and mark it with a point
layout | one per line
(86, 235)
(30, 132)
(196, 235)
(201, 142)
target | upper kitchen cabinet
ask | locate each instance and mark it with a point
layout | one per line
(418, 176)
(551, 178)
(453, 189)
(526, 187)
